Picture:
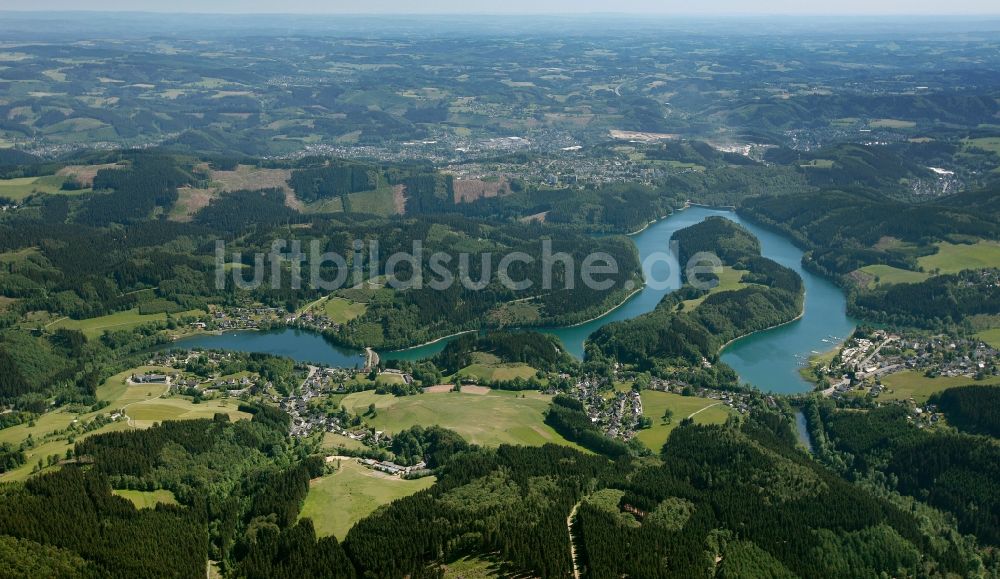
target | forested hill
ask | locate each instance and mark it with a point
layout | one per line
(717, 235)
(842, 229)
(676, 343)
(956, 473)
(940, 302)
(537, 350)
(852, 237)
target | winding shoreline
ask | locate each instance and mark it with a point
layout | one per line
(434, 341)
(609, 312)
(767, 329)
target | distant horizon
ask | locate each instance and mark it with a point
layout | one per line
(646, 8)
(763, 15)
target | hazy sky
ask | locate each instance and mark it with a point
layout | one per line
(838, 7)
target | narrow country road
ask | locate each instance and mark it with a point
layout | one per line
(703, 409)
(572, 544)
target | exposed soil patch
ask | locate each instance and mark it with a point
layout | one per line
(249, 178)
(190, 201)
(399, 199)
(84, 174)
(467, 190)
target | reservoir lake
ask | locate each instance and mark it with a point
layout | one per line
(769, 360)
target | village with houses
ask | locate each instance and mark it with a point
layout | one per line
(867, 358)
(619, 412)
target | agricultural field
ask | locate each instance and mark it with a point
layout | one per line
(377, 202)
(654, 404)
(910, 384)
(343, 310)
(497, 372)
(490, 418)
(336, 501)
(50, 429)
(990, 336)
(887, 275)
(142, 403)
(955, 257)
(488, 368)
(145, 404)
(20, 188)
(729, 279)
(891, 124)
(333, 441)
(147, 499)
(94, 327)
(148, 412)
(991, 144)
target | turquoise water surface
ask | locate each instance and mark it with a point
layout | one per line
(770, 360)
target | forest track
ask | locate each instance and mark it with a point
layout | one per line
(572, 544)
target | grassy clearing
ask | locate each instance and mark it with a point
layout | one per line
(141, 402)
(48, 429)
(491, 419)
(20, 188)
(147, 499)
(491, 373)
(333, 441)
(18, 256)
(144, 414)
(52, 445)
(990, 336)
(991, 144)
(377, 202)
(190, 201)
(250, 178)
(730, 279)
(389, 378)
(911, 384)
(343, 310)
(654, 404)
(94, 327)
(480, 567)
(515, 313)
(888, 275)
(891, 124)
(329, 205)
(952, 257)
(336, 501)
(85, 173)
(488, 368)
(818, 164)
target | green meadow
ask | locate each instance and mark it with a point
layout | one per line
(955, 257)
(888, 275)
(486, 417)
(94, 327)
(20, 188)
(147, 499)
(910, 384)
(336, 501)
(655, 404)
